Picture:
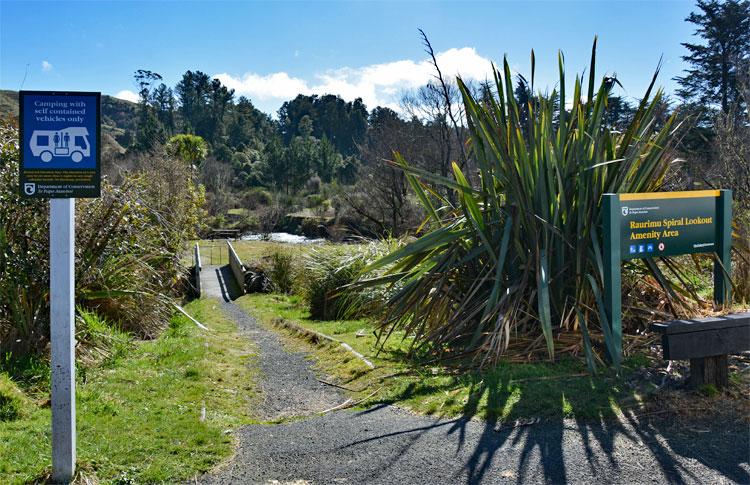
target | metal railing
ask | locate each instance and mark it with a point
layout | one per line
(197, 269)
(214, 254)
(238, 269)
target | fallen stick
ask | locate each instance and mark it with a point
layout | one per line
(340, 406)
(546, 378)
(340, 387)
(181, 310)
(350, 403)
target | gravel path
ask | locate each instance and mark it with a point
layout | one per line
(389, 445)
(288, 387)
(385, 445)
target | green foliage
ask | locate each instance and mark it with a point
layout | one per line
(326, 270)
(128, 248)
(149, 131)
(13, 403)
(256, 197)
(23, 246)
(519, 253)
(708, 390)
(204, 102)
(314, 200)
(328, 273)
(282, 271)
(190, 148)
(724, 28)
(327, 116)
(100, 341)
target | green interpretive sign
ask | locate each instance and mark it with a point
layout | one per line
(656, 224)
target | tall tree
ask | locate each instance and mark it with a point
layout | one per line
(327, 161)
(149, 131)
(164, 103)
(724, 28)
(343, 123)
(193, 94)
(618, 112)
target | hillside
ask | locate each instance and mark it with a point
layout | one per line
(118, 119)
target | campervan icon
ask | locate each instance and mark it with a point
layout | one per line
(70, 142)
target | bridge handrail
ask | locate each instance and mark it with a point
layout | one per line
(238, 269)
(197, 267)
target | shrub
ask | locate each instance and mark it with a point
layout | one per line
(129, 244)
(255, 197)
(282, 271)
(190, 148)
(13, 403)
(330, 270)
(326, 271)
(313, 201)
(24, 249)
(101, 342)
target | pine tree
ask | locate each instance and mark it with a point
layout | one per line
(725, 29)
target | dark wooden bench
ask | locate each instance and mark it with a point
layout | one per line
(706, 342)
(224, 234)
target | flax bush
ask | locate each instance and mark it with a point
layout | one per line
(517, 258)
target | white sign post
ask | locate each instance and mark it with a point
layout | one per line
(60, 147)
(62, 333)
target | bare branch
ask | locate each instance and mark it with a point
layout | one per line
(446, 94)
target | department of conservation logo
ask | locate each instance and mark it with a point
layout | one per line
(625, 210)
(29, 188)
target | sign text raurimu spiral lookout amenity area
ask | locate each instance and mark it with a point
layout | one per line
(649, 225)
(664, 224)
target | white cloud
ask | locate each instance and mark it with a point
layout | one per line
(46, 66)
(127, 95)
(376, 84)
(278, 85)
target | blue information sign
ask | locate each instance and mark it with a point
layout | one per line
(60, 144)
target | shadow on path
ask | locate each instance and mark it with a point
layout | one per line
(384, 444)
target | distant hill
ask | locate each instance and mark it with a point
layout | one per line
(118, 120)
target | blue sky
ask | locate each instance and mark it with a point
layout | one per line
(271, 51)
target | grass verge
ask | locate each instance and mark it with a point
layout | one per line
(139, 414)
(215, 252)
(510, 391)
